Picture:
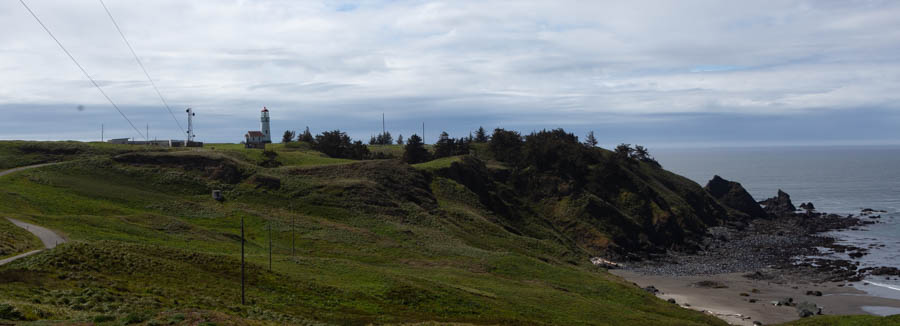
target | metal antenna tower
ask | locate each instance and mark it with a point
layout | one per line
(190, 130)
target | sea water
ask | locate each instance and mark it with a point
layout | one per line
(842, 180)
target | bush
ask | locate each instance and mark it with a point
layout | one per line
(414, 151)
(506, 145)
(338, 145)
(9, 312)
(103, 318)
(132, 318)
(447, 146)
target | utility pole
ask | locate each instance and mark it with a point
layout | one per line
(382, 129)
(293, 225)
(243, 301)
(101, 133)
(148, 132)
(423, 133)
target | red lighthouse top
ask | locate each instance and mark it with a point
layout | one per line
(265, 110)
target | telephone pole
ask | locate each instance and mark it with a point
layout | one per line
(382, 129)
(243, 300)
(293, 225)
(101, 133)
(423, 133)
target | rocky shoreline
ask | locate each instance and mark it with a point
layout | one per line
(770, 252)
(781, 246)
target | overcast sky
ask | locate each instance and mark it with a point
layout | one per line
(661, 73)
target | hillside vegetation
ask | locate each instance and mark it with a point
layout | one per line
(466, 239)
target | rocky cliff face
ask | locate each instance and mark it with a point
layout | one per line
(779, 205)
(732, 195)
(619, 209)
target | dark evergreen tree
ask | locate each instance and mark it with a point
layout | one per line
(506, 145)
(414, 151)
(624, 151)
(306, 136)
(384, 138)
(481, 135)
(591, 141)
(337, 144)
(400, 139)
(288, 136)
(373, 140)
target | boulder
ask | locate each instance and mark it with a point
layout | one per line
(732, 195)
(779, 205)
(806, 309)
(808, 206)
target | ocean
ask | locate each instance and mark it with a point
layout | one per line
(841, 180)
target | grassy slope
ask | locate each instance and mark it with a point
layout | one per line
(15, 240)
(148, 242)
(21, 153)
(375, 242)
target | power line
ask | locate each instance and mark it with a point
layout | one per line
(136, 58)
(82, 69)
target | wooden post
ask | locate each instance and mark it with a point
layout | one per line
(293, 227)
(243, 298)
(270, 246)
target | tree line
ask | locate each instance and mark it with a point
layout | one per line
(546, 149)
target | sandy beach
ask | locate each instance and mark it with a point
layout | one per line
(729, 304)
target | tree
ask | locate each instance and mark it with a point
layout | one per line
(481, 135)
(506, 145)
(414, 151)
(306, 136)
(446, 146)
(384, 138)
(373, 140)
(624, 151)
(591, 141)
(288, 136)
(556, 151)
(337, 144)
(400, 139)
(641, 153)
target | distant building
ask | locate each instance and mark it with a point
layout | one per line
(259, 139)
(160, 143)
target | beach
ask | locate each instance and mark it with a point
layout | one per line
(725, 299)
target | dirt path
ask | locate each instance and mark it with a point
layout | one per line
(49, 238)
(2, 173)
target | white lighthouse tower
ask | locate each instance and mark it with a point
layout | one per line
(264, 122)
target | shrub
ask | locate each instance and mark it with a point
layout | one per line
(414, 151)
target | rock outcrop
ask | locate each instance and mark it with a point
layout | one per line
(779, 205)
(732, 195)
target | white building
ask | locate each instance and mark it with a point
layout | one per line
(259, 139)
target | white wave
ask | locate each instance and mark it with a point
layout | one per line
(889, 286)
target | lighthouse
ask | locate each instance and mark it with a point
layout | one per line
(264, 125)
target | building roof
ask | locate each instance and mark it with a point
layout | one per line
(265, 110)
(255, 133)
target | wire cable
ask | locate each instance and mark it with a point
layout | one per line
(136, 58)
(82, 69)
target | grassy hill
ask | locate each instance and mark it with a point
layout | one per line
(353, 242)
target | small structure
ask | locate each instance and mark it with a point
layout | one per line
(160, 143)
(217, 195)
(259, 139)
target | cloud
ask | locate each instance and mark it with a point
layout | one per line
(565, 63)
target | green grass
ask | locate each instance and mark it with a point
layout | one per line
(18, 153)
(440, 163)
(15, 240)
(846, 321)
(372, 246)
